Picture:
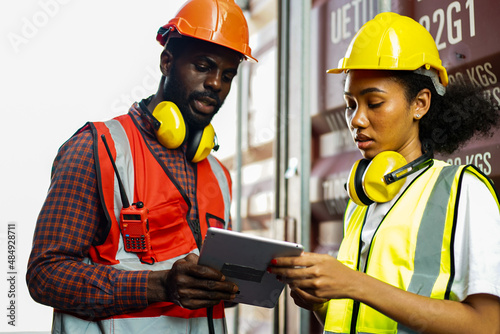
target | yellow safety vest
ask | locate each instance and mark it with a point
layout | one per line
(412, 248)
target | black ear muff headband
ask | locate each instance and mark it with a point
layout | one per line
(154, 122)
(421, 162)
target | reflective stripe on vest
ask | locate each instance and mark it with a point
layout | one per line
(148, 180)
(419, 226)
(222, 177)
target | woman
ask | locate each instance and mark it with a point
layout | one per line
(420, 254)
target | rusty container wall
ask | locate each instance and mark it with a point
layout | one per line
(334, 24)
(467, 35)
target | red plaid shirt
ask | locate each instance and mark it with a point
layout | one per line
(72, 218)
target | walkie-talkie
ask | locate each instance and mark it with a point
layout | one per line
(134, 224)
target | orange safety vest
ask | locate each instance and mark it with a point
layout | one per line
(148, 180)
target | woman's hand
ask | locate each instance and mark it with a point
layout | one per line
(314, 278)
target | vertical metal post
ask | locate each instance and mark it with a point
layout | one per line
(241, 106)
(241, 109)
(281, 143)
(384, 6)
(305, 135)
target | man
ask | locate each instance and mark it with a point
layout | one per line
(116, 244)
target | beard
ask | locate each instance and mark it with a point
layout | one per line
(175, 92)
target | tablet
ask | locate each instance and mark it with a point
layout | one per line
(243, 259)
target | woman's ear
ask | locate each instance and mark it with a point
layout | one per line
(166, 60)
(422, 103)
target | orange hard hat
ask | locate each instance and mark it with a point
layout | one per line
(217, 21)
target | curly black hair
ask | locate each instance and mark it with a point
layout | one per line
(461, 114)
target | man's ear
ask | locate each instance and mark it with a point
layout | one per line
(166, 60)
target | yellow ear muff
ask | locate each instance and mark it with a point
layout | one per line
(201, 144)
(374, 184)
(366, 183)
(354, 183)
(172, 130)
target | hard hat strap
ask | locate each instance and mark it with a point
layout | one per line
(168, 33)
(164, 32)
(433, 74)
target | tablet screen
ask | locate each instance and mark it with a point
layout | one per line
(243, 259)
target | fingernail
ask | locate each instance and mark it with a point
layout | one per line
(269, 270)
(274, 262)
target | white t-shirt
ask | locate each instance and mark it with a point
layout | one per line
(477, 238)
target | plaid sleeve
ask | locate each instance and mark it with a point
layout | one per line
(68, 223)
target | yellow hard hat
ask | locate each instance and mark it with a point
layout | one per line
(217, 21)
(392, 42)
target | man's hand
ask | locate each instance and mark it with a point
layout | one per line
(190, 285)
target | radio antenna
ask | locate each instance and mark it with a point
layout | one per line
(123, 195)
